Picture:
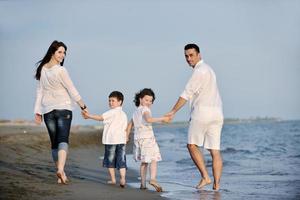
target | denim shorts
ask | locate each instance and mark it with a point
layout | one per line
(115, 156)
(58, 123)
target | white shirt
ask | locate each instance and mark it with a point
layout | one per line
(142, 129)
(202, 92)
(115, 124)
(55, 90)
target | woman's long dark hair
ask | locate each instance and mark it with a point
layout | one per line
(51, 50)
(141, 94)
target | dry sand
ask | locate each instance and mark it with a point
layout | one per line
(27, 170)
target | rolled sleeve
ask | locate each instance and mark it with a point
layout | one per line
(194, 85)
(68, 84)
(38, 100)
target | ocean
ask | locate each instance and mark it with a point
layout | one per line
(261, 160)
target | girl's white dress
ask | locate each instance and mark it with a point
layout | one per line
(145, 146)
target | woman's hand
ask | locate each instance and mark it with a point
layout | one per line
(38, 118)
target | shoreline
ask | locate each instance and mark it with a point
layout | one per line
(27, 170)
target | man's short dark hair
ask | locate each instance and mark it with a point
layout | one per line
(118, 95)
(192, 46)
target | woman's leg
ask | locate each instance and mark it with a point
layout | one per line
(64, 119)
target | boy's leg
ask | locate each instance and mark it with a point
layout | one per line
(121, 162)
(112, 175)
(109, 162)
(122, 177)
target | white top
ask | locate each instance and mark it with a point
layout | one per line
(203, 94)
(55, 90)
(142, 129)
(115, 124)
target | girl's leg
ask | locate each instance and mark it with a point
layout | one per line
(153, 170)
(153, 182)
(143, 172)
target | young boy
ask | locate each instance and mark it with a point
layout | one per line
(113, 137)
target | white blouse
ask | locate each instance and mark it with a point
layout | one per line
(203, 93)
(115, 124)
(55, 90)
(142, 129)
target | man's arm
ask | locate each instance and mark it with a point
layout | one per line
(178, 105)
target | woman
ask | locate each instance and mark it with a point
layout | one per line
(55, 92)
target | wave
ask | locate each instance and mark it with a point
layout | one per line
(230, 150)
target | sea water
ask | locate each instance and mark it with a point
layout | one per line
(261, 160)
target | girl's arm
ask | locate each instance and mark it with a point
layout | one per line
(128, 129)
(150, 119)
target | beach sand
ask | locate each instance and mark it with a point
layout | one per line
(27, 170)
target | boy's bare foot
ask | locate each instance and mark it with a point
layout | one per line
(143, 187)
(216, 185)
(122, 183)
(110, 182)
(203, 182)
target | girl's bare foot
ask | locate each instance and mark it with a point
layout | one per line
(203, 182)
(155, 184)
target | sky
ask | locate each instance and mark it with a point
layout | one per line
(253, 47)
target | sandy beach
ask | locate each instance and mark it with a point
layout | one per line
(27, 170)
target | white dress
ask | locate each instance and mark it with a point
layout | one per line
(145, 146)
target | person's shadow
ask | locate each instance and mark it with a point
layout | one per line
(209, 195)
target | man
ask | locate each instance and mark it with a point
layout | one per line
(206, 118)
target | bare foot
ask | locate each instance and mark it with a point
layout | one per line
(62, 177)
(216, 185)
(203, 182)
(122, 183)
(155, 184)
(111, 182)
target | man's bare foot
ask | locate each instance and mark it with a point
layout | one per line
(203, 182)
(216, 185)
(122, 183)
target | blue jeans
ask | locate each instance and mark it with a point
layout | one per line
(58, 123)
(115, 156)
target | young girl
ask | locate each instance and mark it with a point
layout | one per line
(146, 149)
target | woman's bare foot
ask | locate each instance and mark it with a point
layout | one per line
(62, 177)
(203, 182)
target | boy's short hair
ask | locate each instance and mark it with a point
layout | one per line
(118, 95)
(192, 46)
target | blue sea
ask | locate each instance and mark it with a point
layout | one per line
(261, 160)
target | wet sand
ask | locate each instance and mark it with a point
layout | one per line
(27, 170)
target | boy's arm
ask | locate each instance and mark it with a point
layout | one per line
(87, 115)
(150, 119)
(128, 129)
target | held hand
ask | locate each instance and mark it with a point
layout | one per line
(166, 119)
(85, 114)
(38, 118)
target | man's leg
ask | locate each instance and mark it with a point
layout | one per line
(198, 159)
(217, 167)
